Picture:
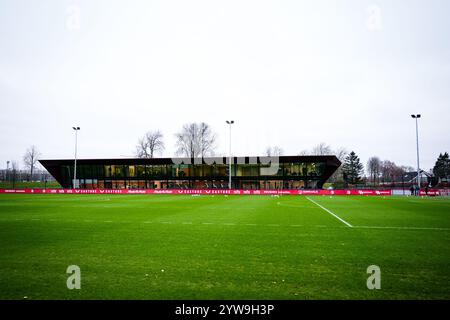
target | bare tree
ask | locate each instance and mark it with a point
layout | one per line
(322, 149)
(195, 140)
(374, 168)
(187, 141)
(30, 159)
(387, 169)
(14, 165)
(207, 140)
(340, 153)
(275, 151)
(150, 144)
(390, 171)
(14, 169)
(304, 153)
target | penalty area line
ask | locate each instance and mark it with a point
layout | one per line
(334, 215)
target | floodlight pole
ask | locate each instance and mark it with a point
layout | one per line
(7, 172)
(403, 182)
(230, 122)
(74, 184)
(416, 117)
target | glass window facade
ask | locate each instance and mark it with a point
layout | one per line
(287, 172)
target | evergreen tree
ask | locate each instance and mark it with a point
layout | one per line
(352, 168)
(442, 167)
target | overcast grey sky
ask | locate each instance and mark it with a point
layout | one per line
(290, 73)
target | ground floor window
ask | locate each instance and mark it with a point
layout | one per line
(197, 184)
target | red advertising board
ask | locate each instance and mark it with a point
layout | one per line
(201, 192)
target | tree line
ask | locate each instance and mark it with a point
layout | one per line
(193, 140)
(31, 172)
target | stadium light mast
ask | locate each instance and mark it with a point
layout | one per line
(7, 171)
(230, 122)
(417, 117)
(74, 184)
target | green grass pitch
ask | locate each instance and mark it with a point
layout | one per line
(219, 247)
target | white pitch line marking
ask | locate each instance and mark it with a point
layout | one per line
(402, 228)
(278, 225)
(334, 215)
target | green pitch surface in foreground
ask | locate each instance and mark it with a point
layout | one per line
(218, 247)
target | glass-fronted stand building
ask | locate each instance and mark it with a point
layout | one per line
(286, 172)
